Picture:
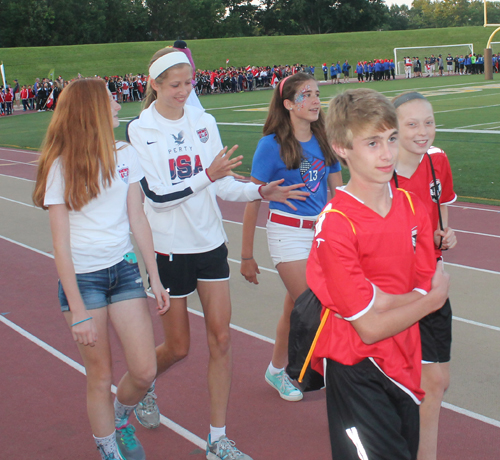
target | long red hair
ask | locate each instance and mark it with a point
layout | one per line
(81, 135)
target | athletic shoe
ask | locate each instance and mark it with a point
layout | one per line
(105, 456)
(224, 449)
(281, 382)
(129, 446)
(147, 412)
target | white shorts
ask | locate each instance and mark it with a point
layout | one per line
(288, 244)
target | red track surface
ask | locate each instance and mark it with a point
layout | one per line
(43, 398)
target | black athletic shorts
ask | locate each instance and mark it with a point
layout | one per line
(435, 333)
(181, 272)
(368, 413)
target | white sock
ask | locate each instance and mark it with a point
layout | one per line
(273, 370)
(216, 433)
(122, 413)
(107, 446)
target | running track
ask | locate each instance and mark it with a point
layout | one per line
(44, 404)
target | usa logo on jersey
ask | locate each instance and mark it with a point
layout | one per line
(203, 135)
(123, 172)
(312, 173)
(435, 190)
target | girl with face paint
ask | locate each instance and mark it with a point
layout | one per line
(294, 147)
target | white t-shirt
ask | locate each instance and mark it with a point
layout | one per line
(100, 231)
(197, 228)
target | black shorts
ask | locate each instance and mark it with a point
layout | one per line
(181, 272)
(368, 412)
(435, 333)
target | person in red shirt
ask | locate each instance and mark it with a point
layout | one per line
(31, 98)
(2, 102)
(24, 98)
(8, 97)
(372, 266)
(425, 171)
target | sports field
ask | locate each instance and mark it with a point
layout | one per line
(467, 118)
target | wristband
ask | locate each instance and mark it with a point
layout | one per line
(260, 193)
(206, 172)
(82, 321)
(247, 258)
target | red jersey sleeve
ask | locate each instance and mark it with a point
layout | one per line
(336, 277)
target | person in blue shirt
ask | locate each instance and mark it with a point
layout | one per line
(359, 72)
(345, 71)
(365, 70)
(392, 68)
(378, 70)
(339, 71)
(325, 71)
(294, 148)
(333, 73)
(371, 70)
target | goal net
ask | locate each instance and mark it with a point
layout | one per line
(426, 51)
(495, 47)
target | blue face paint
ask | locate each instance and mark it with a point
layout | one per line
(300, 98)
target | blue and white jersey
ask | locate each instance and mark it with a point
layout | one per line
(268, 166)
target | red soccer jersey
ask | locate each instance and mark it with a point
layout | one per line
(8, 96)
(421, 183)
(394, 253)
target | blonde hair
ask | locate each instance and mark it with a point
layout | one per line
(81, 135)
(278, 122)
(151, 95)
(354, 111)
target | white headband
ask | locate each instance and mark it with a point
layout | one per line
(166, 61)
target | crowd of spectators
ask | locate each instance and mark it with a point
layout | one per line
(43, 94)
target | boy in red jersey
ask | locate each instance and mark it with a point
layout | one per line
(372, 266)
(425, 171)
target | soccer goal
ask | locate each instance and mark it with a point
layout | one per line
(426, 51)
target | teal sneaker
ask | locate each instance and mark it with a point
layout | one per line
(147, 412)
(281, 382)
(129, 446)
(224, 449)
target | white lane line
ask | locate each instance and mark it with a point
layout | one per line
(479, 124)
(185, 433)
(468, 413)
(475, 323)
(484, 270)
(476, 233)
(472, 208)
(16, 177)
(20, 202)
(19, 162)
(468, 108)
(471, 131)
(19, 150)
(197, 441)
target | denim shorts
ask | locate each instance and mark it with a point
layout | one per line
(110, 285)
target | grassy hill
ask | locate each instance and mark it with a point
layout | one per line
(26, 64)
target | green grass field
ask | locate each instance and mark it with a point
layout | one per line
(26, 64)
(460, 103)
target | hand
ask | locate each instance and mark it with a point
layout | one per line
(273, 192)
(162, 297)
(249, 269)
(441, 283)
(449, 239)
(84, 333)
(223, 165)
